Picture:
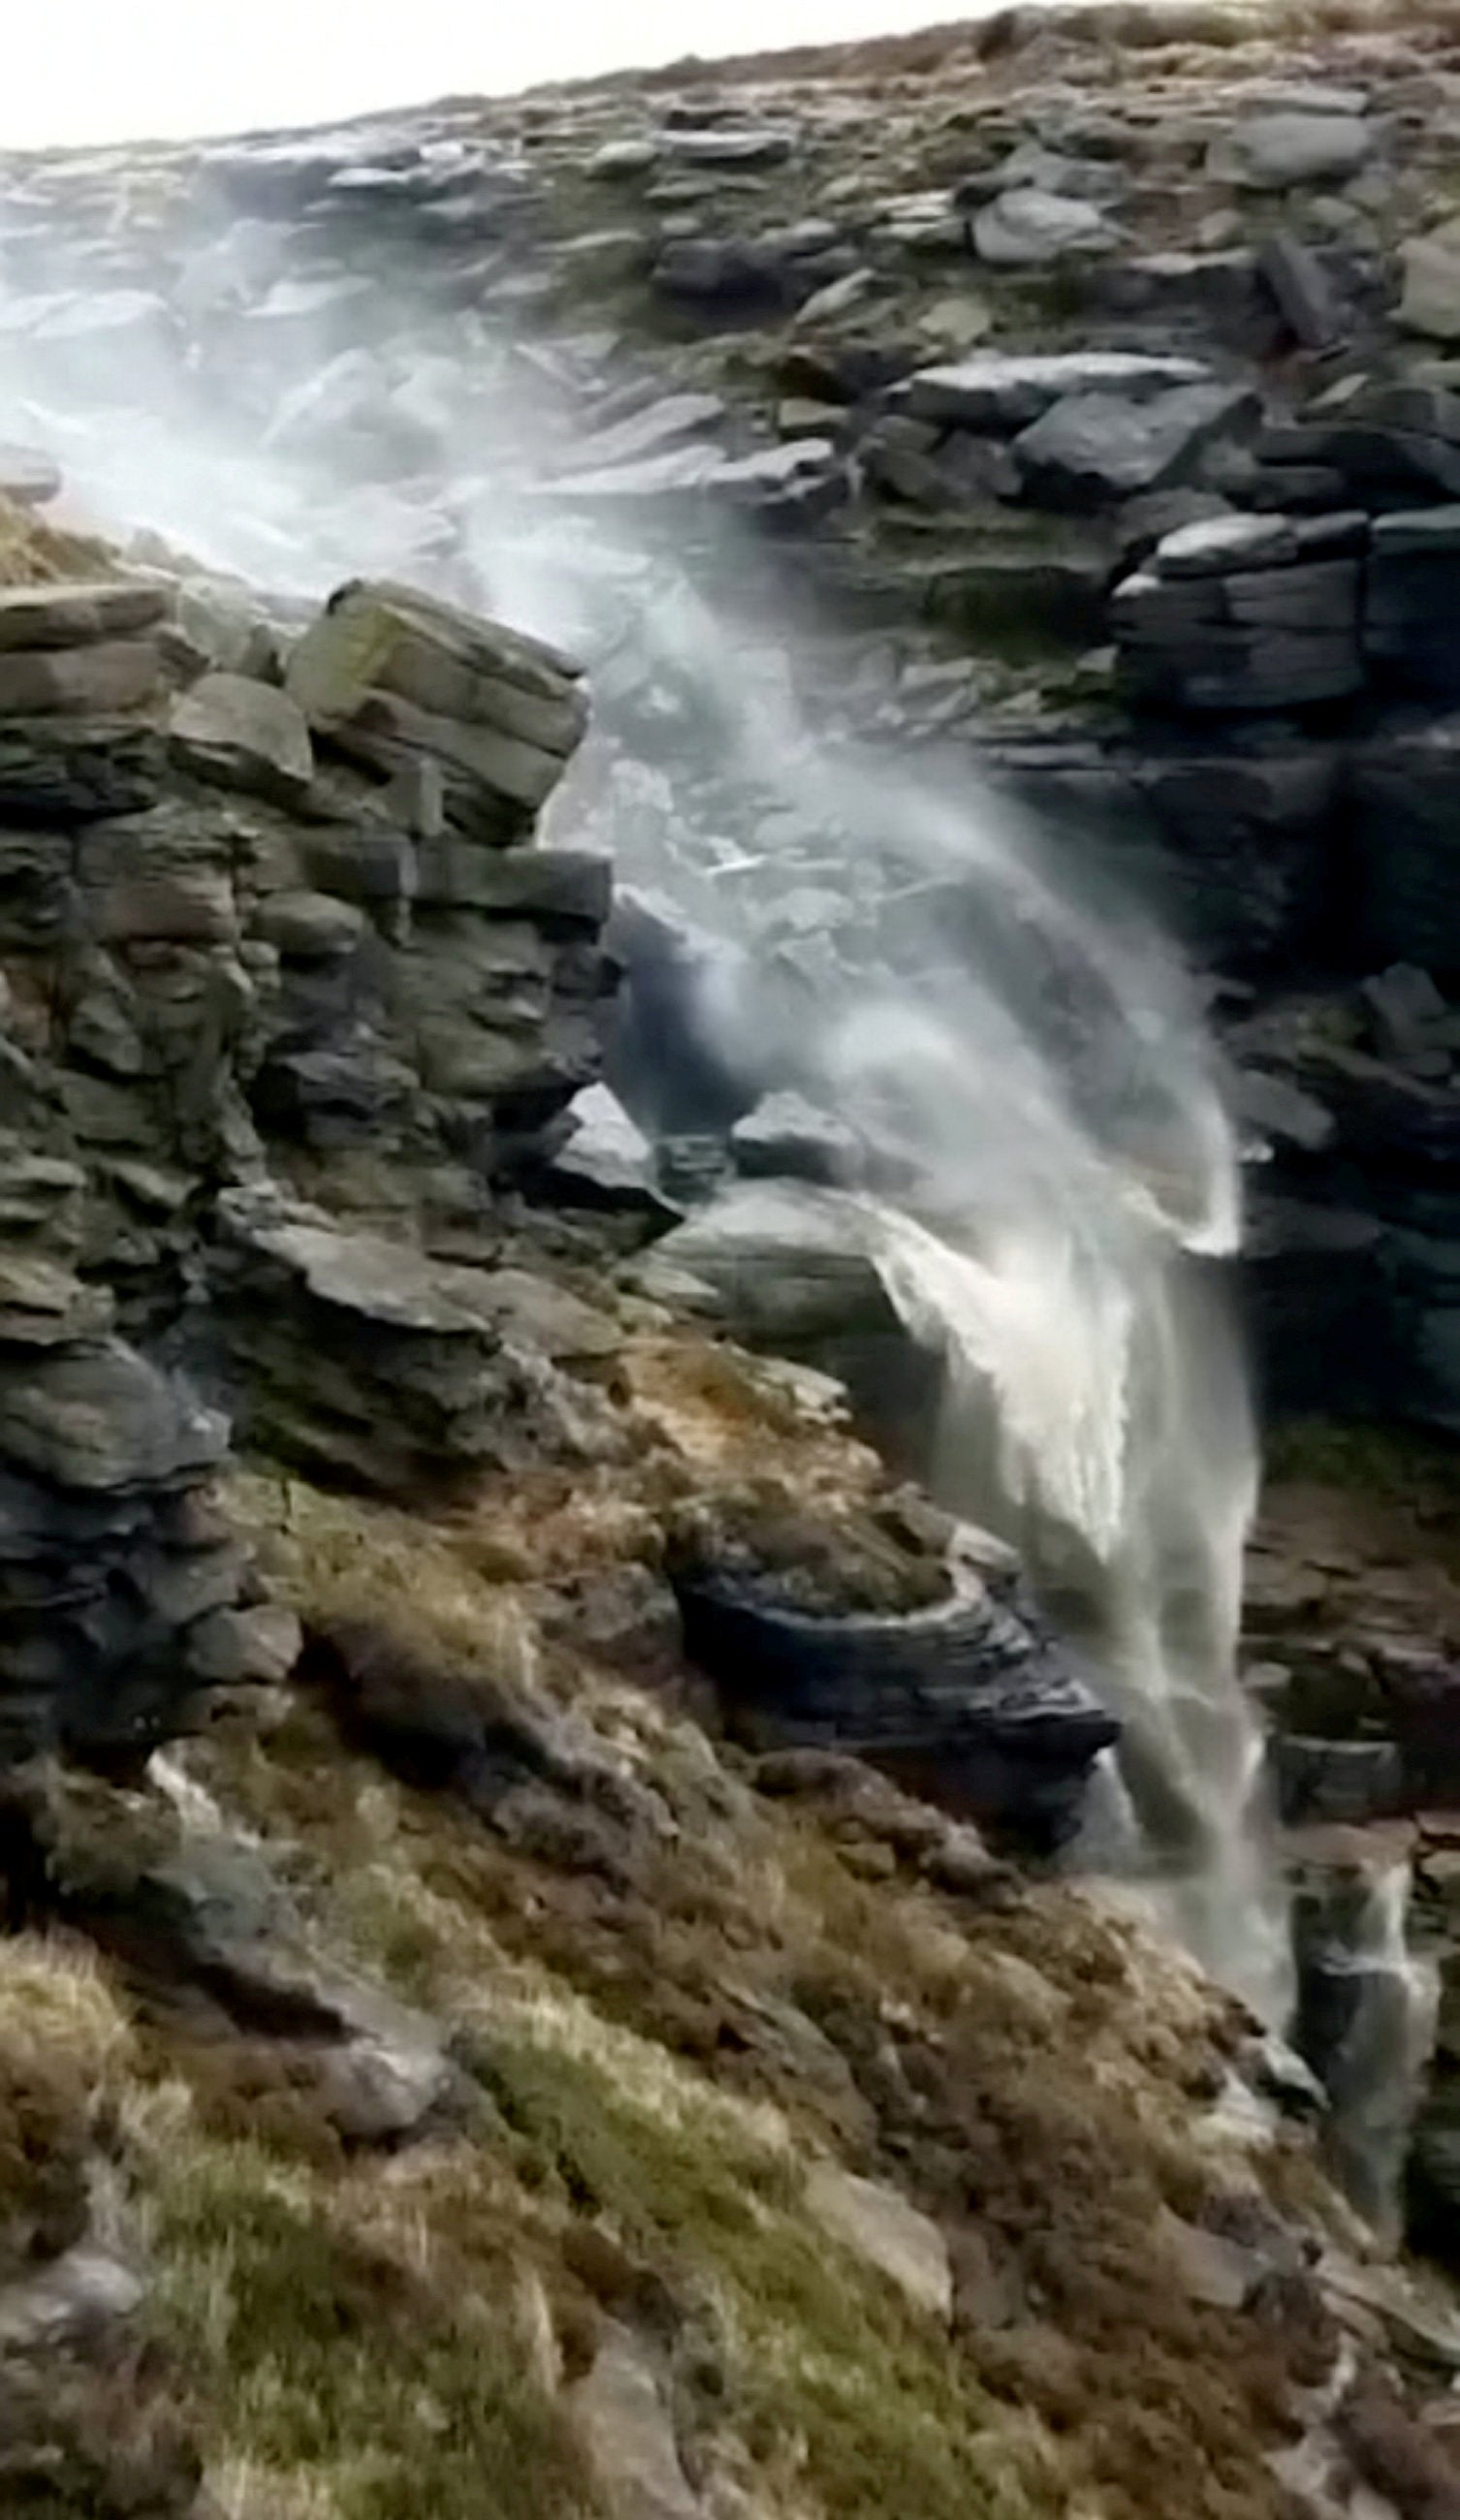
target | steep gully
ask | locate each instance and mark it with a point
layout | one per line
(1034, 1148)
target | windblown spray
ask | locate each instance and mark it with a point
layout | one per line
(1058, 1189)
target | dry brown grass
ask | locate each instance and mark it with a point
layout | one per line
(64, 2041)
(34, 553)
(652, 2049)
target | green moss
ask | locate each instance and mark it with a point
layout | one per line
(822, 2351)
(318, 2352)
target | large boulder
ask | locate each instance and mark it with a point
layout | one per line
(1245, 618)
(1093, 450)
(365, 1359)
(1028, 227)
(1271, 151)
(392, 677)
(1431, 303)
(823, 1636)
(242, 734)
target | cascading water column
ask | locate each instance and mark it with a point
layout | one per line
(1052, 1179)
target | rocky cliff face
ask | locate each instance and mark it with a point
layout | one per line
(509, 2000)
(1095, 368)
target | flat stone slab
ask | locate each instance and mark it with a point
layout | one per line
(1026, 228)
(101, 1417)
(106, 677)
(81, 614)
(877, 2223)
(1095, 448)
(1002, 394)
(245, 735)
(1417, 532)
(453, 664)
(645, 432)
(1270, 152)
(729, 145)
(608, 1159)
(621, 2416)
(1218, 544)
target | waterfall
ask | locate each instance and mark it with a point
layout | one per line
(1366, 2017)
(1053, 1176)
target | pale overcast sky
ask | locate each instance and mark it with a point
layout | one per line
(98, 70)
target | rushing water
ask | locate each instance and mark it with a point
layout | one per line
(1033, 1076)
(1366, 2017)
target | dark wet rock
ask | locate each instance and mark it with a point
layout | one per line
(1306, 296)
(787, 1136)
(78, 768)
(1406, 818)
(1379, 462)
(1279, 1114)
(967, 1701)
(1093, 449)
(366, 1359)
(1315, 1268)
(606, 1160)
(680, 1051)
(1407, 1013)
(571, 887)
(727, 275)
(1253, 638)
(780, 1263)
(1410, 601)
(919, 462)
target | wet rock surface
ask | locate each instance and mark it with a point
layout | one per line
(1097, 438)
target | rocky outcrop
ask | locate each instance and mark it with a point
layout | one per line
(969, 1698)
(216, 952)
(378, 1365)
(123, 1587)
